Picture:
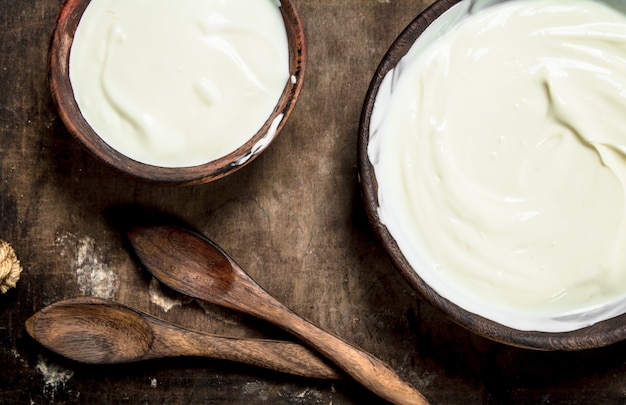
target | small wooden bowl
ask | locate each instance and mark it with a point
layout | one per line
(63, 96)
(598, 335)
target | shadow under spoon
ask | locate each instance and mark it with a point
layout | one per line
(193, 265)
(98, 331)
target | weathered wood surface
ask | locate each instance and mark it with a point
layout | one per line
(293, 219)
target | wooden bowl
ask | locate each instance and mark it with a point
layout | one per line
(597, 335)
(63, 96)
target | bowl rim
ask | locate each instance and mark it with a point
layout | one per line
(600, 334)
(67, 21)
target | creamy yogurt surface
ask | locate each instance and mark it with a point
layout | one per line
(499, 148)
(179, 83)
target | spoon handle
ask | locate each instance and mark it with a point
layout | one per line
(282, 356)
(368, 370)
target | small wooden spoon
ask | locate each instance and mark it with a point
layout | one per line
(193, 265)
(98, 331)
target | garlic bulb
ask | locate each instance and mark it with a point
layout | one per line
(10, 267)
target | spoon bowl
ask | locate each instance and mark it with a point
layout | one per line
(98, 331)
(119, 335)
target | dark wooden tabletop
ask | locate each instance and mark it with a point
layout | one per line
(293, 219)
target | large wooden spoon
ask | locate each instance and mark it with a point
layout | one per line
(99, 331)
(195, 266)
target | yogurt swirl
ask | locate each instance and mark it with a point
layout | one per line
(499, 146)
(177, 84)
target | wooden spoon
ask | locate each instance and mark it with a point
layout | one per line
(193, 265)
(98, 331)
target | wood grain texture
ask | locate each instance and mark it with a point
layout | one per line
(194, 265)
(294, 220)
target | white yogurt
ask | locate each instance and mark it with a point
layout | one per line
(499, 147)
(179, 83)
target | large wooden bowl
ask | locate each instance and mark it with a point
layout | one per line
(598, 335)
(63, 96)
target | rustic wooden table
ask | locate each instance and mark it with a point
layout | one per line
(293, 219)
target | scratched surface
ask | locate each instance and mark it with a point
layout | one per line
(292, 219)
